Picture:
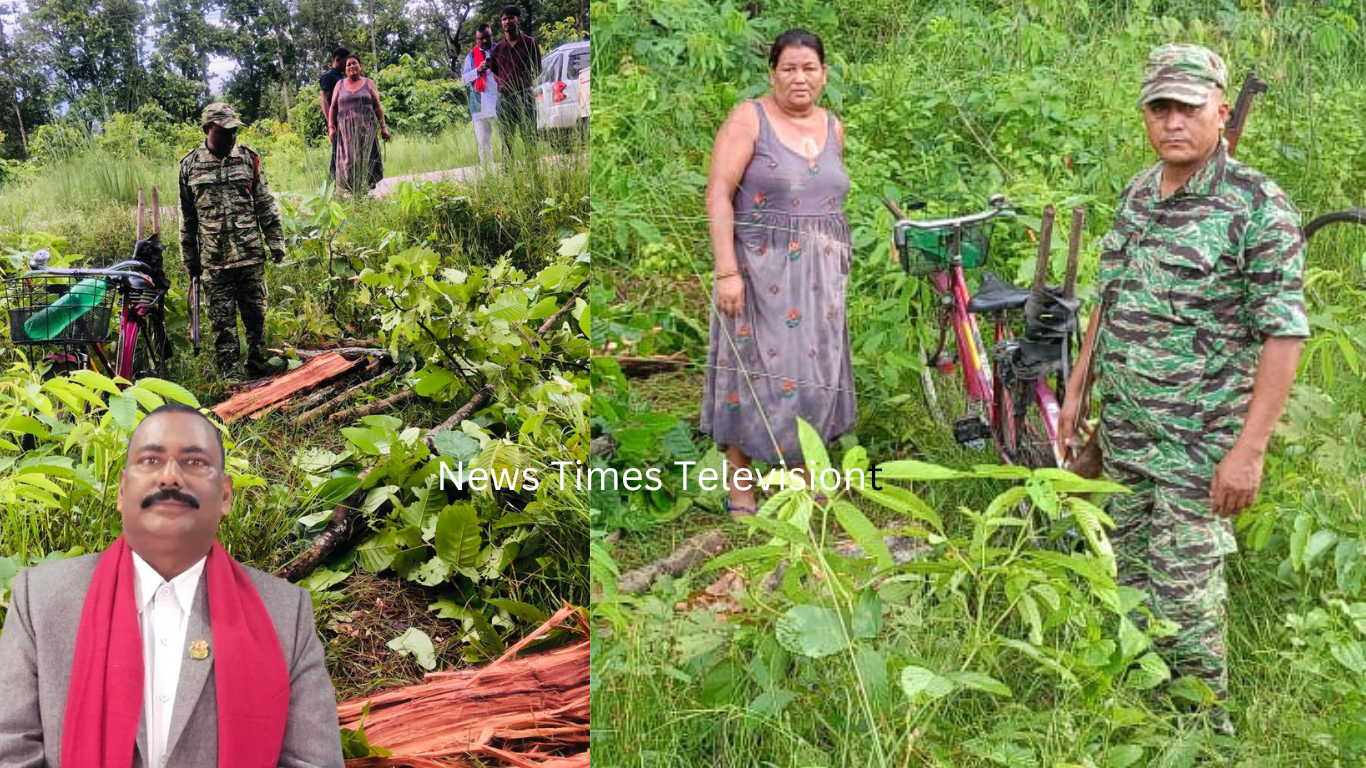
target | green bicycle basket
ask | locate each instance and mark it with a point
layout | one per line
(930, 250)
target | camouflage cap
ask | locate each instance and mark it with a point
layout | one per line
(222, 115)
(1184, 73)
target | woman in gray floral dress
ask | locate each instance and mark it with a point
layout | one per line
(779, 335)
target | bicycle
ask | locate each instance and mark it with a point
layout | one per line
(1011, 394)
(71, 309)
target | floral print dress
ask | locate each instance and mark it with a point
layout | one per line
(787, 355)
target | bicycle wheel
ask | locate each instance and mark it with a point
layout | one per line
(1335, 259)
(1018, 429)
(1352, 216)
(945, 392)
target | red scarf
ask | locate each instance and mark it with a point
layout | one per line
(104, 704)
(478, 59)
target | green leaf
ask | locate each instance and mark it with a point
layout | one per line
(813, 449)
(1124, 756)
(863, 532)
(367, 440)
(1299, 540)
(909, 469)
(762, 554)
(1131, 640)
(169, 390)
(921, 683)
(337, 490)
(456, 445)
(26, 425)
(458, 538)
(528, 613)
(431, 380)
(322, 579)
(418, 644)
(447, 608)
(979, 681)
(866, 621)
(811, 630)
(123, 409)
(510, 306)
(377, 552)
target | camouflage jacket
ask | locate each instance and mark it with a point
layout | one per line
(1192, 286)
(227, 215)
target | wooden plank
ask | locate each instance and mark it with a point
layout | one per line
(314, 373)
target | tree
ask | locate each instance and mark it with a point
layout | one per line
(89, 50)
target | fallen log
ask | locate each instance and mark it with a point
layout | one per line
(641, 367)
(378, 406)
(529, 712)
(306, 378)
(350, 353)
(327, 392)
(308, 416)
(344, 343)
(690, 554)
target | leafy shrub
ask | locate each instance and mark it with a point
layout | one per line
(420, 97)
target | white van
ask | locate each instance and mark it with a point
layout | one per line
(557, 89)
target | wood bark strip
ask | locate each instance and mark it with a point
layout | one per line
(691, 553)
(529, 712)
(326, 393)
(306, 378)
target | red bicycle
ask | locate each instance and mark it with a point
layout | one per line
(71, 309)
(1009, 394)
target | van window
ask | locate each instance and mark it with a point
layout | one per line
(578, 61)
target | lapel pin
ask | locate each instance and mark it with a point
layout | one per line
(199, 649)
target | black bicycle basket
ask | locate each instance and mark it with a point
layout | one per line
(59, 309)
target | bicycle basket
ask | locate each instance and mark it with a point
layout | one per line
(931, 250)
(58, 309)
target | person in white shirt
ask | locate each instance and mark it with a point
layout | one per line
(163, 650)
(483, 90)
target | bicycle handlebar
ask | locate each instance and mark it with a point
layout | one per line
(1000, 206)
(127, 268)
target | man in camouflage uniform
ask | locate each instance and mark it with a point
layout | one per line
(228, 225)
(1201, 325)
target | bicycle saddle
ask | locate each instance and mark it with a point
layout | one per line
(996, 295)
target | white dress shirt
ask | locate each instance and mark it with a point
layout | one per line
(163, 614)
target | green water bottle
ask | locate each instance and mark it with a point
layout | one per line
(53, 321)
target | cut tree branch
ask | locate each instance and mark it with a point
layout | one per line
(342, 527)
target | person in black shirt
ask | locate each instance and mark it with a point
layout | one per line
(516, 61)
(329, 81)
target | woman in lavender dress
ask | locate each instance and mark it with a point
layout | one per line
(357, 123)
(779, 336)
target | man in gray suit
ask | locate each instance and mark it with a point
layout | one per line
(179, 655)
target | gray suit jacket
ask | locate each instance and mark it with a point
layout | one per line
(39, 642)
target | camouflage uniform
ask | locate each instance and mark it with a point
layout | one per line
(228, 225)
(1192, 286)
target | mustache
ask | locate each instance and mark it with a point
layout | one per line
(170, 494)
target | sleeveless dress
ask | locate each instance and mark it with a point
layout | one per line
(359, 165)
(787, 355)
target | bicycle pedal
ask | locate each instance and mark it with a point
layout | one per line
(972, 432)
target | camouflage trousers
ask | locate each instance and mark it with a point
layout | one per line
(231, 291)
(1169, 544)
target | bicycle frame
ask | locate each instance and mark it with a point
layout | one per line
(985, 391)
(131, 317)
